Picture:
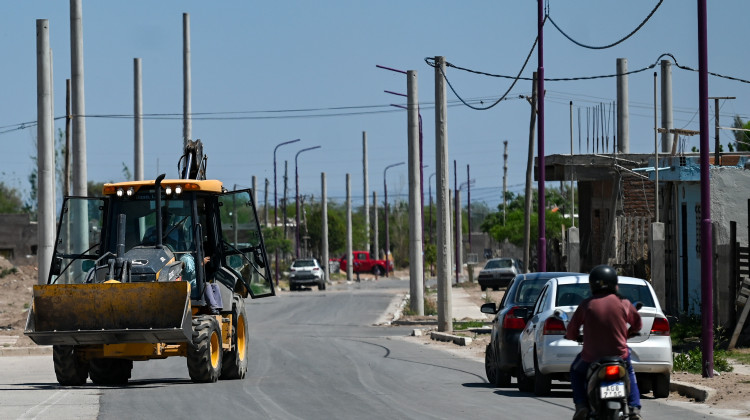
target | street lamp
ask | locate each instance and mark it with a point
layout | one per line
(276, 202)
(387, 234)
(296, 195)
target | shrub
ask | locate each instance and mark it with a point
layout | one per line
(692, 361)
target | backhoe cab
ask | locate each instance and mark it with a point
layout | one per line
(150, 270)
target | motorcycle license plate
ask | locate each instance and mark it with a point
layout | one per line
(609, 390)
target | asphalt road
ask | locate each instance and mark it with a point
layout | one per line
(313, 355)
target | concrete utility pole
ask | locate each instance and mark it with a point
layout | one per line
(324, 226)
(445, 310)
(458, 233)
(284, 200)
(416, 268)
(80, 221)
(717, 144)
(45, 153)
(623, 112)
(529, 169)
(365, 191)
(656, 158)
(666, 106)
(137, 120)
(187, 111)
(349, 259)
(80, 177)
(375, 242)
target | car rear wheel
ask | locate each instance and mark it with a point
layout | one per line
(542, 382)
(322, 285)
(661, 385)
(525, 383)
(483, 288)
(495, 376)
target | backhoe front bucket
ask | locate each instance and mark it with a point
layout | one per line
(110, 313)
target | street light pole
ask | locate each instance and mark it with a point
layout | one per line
(296, 198)
(276, 202)
(387, 233)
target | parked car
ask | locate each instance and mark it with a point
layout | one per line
(498, 272)
(306, 271)
(502, 356)
(364, 263)
(547, 355)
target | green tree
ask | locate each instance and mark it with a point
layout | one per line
(10, 200)
(741, 137)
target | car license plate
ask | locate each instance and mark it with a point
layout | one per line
(609, 390)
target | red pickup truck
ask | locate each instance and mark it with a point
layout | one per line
(364, 264)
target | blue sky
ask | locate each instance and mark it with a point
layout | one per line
(291, 55)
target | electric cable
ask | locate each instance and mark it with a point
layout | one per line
(609, 45)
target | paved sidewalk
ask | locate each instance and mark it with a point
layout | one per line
(464, 307)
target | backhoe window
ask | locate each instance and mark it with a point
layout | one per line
(78, 237)
(244, 251)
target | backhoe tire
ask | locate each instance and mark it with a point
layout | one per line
(69, 368)
(110, 371)
(204, 353)
(234, 361)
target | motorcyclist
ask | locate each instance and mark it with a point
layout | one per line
(608, 320)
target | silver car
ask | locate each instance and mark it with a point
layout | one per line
(498, 272)
(547, 355)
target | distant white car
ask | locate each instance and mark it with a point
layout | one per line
(306, 271)
(498, 272)
(547, 355)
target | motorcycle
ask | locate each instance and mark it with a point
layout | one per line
(608, 386)
(607, 382)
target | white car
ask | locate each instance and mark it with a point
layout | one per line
(306, 272)
(547, 355)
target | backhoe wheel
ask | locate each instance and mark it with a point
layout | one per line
(234, 363)
(110, 371)
(204, 353)
(70, 369)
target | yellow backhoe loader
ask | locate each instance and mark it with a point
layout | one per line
(153, 269)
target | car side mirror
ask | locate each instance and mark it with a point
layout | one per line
(56, 266)
(489, 308)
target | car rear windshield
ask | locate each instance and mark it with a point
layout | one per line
(304, 263)
(499, 264)
(528, 291)
(637, 293)
(573, 294)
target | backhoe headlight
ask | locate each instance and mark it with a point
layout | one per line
(178, 190)
(168, 190)
(120, 192)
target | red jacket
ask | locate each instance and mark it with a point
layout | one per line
(605, 319)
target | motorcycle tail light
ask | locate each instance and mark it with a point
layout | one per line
(553, 326)
(612, 373)
(660, 327)
(513, 322)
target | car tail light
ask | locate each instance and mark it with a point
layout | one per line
(316, 269)
(513, 322)
(660, 327)
(612, 373)
(553, 326)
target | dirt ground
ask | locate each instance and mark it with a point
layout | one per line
(15, 298)
(733, 388)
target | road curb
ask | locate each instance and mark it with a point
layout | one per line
(26, 351)
(697, 392)
(456, 339)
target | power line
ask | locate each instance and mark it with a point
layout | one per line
(609, 45)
